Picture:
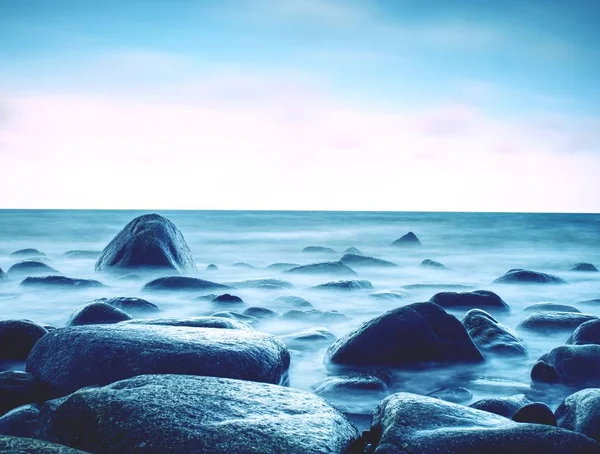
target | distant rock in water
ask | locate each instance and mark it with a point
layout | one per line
(260, 313)
(591, 303)
(389, 295)
(334, 268)
(81, 255)
(282, 266)
(17, 338)
(520, 276)
(577, 366)
(74, 357)
(295, 301)
(345, 286)
(353, 251)
(31, 268)
(362, 260)
(427, 263)
(209, 297)
(194, 322)
(413, 335)
(248, 319)
(136, 307)
(20, 445)
(62, 282)
(318, 249)
(97, 313)
(584, 267)
(479, 299)
(310, 338)
(149, 241)
(315, 316)
(457, 395)
(182, 283)
(28, 253)
(491, 336)
(212, 267)
(410, 239)
(580, 412)
(227, 299)
(264, 284)
(586, 333)
(436, 286)
(554, 322)
(550, 307)
(243, 265)
(185, 414)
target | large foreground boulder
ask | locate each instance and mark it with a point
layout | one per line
(19, 445)
(520, 276)
(586, 333)
(148, 242)
(580, 412)
(182, 283)
(409, 423)
(17, 338)
(577, 366)
(332, 268)
(491, 336)
(479, 299)
(71, 358)
(413, 335)
(185, 414)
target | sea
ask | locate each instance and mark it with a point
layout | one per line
(475, 247)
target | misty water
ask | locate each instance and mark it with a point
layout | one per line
(476, 247)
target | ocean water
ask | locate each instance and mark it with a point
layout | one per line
(477, 247)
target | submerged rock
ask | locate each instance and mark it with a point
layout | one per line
(580, 412)
(550, 307)
(457, 395)
(249, 320)
(182, 283)
(30, 268)
(520, 276)
(587, 267)
(194, 322)
(149, 241)
(81, 255)
(586, 333)
(413, 335)
(18, 388)
(97, 313)
(294, 301)
(389, 295)
(492, 337)
(282, 266)
(410, 239)
(264, 284)
(71, 358)
(363, 260)
(18, 445)
(61, 282)
(554, 322)
(577, 366)
(310, 338)
(345, 286)
(260, 313)
(136, 307)
(479, 299)
(411, 423)
(28, 253)
(341, 386)
(436, 286)
(427, 263)
(243, 265)
(353, 250)
(315, 316)
(228, 300)
(318, 249)
(212, 267)
(335, 268)
(184, 414)
(17, 338)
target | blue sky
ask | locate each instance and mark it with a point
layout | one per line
(363, 86)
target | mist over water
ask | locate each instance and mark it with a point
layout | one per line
(476, 247)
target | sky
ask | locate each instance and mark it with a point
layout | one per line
(429, 105)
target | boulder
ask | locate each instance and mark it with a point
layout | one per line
(247, 319)
(194, 322)
(314, 316)
(19, 388)
(427, 263)
(71, 358)
(435, 286)
(30, 268)
(410, 423)
(503, 406)
(310, 338)
(228, 300)
(22, 421)
(212, 267)
(583, 266)
(415, 335)
(97, 313)
(28, 253)
(294, 301)
(520, 276)
(17, 338)
(345, 286)
(457, 394)
(243, 265)
(577, 366)
(554, 322)
(550, 307)
(318, 249)
(342, 386)
(282, 266)
(61, 282)
(586, 333)
(591, 303)
(186, 414)
(260, 313)
(136, 307)
(363, 260)
(147, 242)
(182, 283)
(490, 336)
(479, 299)
(580, 412)
(19, 445)
(264, 284)
(353, 250)
(91, 255)
(389, 295)
(535, 413)
(335, 268)
(410, 239)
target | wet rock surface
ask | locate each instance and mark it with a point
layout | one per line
(479, 299)
(520, 276)
(97, 313)
(553, 322)
(490, 336)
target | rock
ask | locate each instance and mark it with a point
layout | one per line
(294, 301)
(282, 266)
(81, 255)
(341, 386)
(458, 394)
(577, 366)
(61, 282)
(209, 297)
(147, 242)
(554, 322)
(415, 335)
(410, 239)
(409, 423)
(130, 277)
(435, 286)
(318, 249)
(586, 333)
(243, 265)
(212, 267)
(97, 313)
(71, 358)
(580, 412)
(593, 303)
(30, 268)
(22, 421)
(479, 299)
(427, 263)
(185, 414)
(535, 413)
(136, 307)
(236, 316)
(17, 338)
(503, 406)
(315, 316)
(388, 295)
(227, 300)
(519, 276)
(588, 267)
(194, 322)
(181, 283)
(490, 336)
(264, 284)
(310, 338)
(18, 445)
(345, 286)
(335, 268)
(28, 253)
(260, 313)
(18, 388)
(362, 260)
(550, 307)
(353, 250)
